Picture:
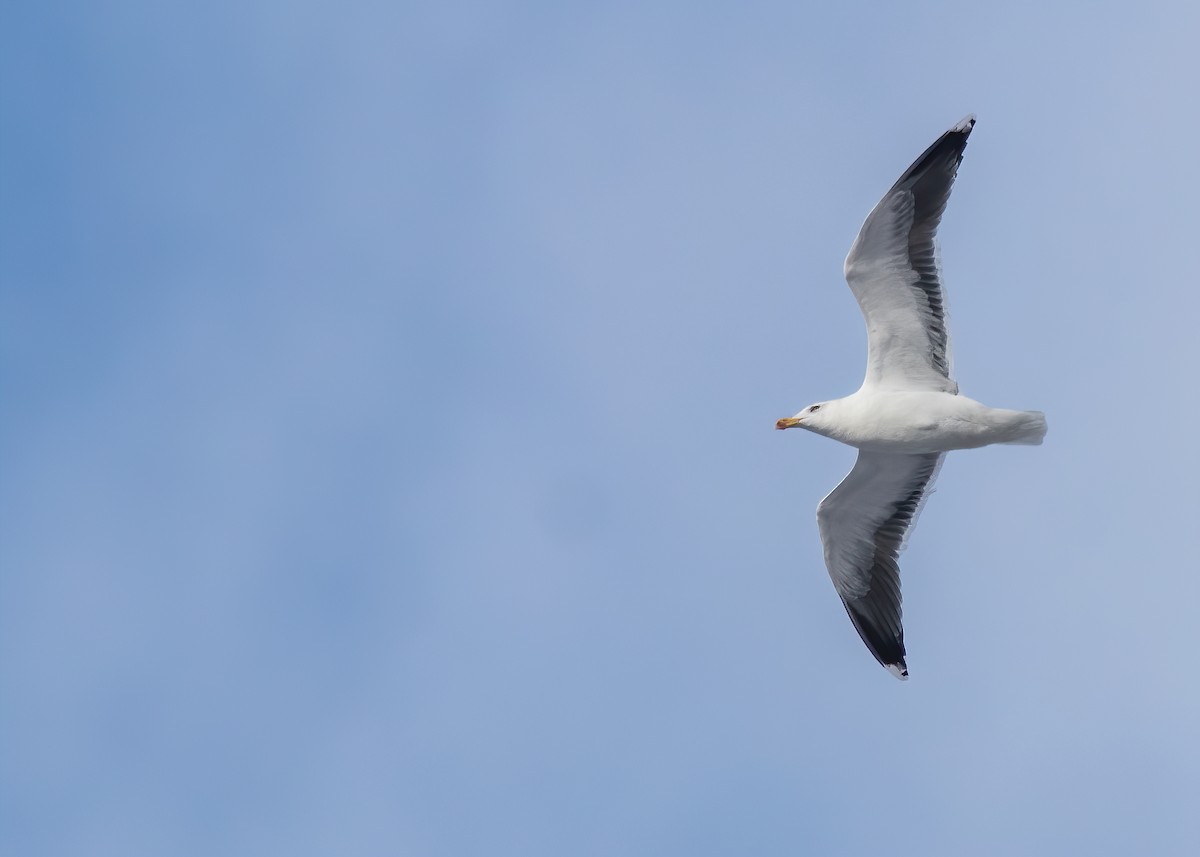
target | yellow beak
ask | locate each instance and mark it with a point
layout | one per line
(787, 422)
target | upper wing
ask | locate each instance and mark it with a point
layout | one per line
(894, 275)
(863, 524)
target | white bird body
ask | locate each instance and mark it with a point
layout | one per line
(919, 421)
(908, 412)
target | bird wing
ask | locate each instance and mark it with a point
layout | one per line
(863, 525)
(893, 273)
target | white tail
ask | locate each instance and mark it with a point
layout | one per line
(1028, 428)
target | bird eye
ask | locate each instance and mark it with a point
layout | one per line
(814, 408)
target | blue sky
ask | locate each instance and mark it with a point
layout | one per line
(387, 465)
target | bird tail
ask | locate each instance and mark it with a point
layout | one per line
(1028, 428)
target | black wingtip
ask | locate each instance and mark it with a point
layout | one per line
(940, 162)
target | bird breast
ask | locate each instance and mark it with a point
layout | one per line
(912, 422)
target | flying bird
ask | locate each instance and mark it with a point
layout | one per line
(908, 412)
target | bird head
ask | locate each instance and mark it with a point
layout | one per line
(811, 418)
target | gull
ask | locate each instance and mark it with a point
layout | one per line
(908, 412)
